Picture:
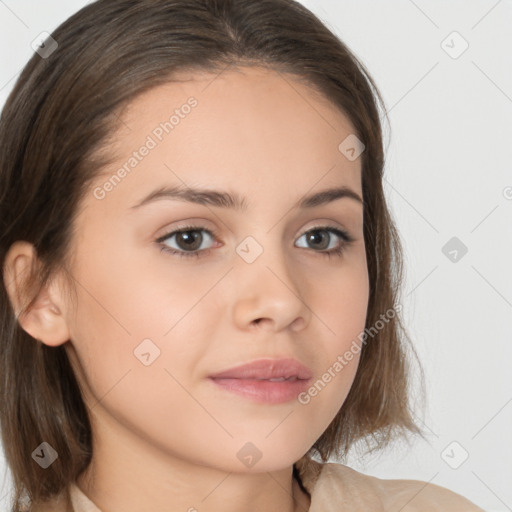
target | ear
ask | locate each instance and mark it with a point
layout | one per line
(44, 319)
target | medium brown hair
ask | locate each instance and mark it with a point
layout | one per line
(54, 130)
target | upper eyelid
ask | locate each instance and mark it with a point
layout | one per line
(174, 231)
(214, 234)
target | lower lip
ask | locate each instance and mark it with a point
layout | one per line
(264, 391)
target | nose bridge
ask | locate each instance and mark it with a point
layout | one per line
(265, 286)
(263, 253)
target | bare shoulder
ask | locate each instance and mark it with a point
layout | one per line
(403, 495)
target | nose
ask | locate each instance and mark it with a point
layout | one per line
(267, 293)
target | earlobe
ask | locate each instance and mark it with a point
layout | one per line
(43, 319)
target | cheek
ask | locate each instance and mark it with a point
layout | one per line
(137, 324)
(135, 294)
(131, 370)
(341, 304)
(341, 308)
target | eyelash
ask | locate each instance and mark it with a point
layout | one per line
(338, 252)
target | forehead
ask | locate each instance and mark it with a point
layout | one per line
(244, 128)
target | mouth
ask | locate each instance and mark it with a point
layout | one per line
(271, 391)
(265, 380)
(266, 369)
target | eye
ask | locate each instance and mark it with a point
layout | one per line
(189, 241)
(312, 236)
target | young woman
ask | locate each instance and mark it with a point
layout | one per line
(200, 272)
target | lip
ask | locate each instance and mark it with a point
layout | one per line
(266, 369)
(251, 380)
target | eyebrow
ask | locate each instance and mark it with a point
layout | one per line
(222, 199)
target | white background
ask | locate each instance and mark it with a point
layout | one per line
(448, 167)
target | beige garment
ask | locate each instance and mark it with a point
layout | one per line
(334, 487)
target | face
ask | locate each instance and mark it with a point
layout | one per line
(158, 310)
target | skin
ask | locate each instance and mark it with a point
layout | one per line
(164, 437)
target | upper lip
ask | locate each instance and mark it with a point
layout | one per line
(266, 369)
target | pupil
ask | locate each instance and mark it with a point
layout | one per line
(318, 234)
(190, 239)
